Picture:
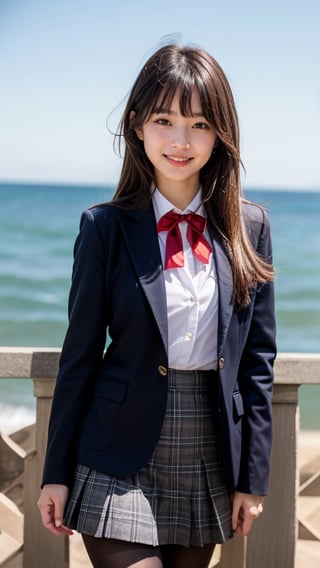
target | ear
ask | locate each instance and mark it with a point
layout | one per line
(138, 131)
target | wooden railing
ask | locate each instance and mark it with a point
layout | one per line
(272, 541)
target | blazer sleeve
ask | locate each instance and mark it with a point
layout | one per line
(82, 350)
(256, 381)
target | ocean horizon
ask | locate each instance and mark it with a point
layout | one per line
(38, 225)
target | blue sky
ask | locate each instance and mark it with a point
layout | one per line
(65, 65)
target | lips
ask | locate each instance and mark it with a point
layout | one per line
(178, 159)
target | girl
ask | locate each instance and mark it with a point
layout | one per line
(159, 448)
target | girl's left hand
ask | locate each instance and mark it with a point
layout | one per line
(51, 506)
(245, 509)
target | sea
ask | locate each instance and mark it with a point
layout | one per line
(38, 226)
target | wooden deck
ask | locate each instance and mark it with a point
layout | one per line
(287, 535)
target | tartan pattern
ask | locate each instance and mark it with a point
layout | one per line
(179, 496)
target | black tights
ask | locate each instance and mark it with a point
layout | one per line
(111, 553)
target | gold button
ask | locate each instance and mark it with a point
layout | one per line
(221, 363)
(162, 370)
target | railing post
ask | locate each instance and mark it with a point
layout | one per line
(233, 553)
(41, 548)
(272, 540)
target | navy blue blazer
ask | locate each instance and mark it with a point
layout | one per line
(108, 409)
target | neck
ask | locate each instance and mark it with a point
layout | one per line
(180, 199)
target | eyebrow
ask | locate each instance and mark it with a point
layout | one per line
(172, 113)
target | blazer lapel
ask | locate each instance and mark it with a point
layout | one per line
(225, 283)
(139, 231)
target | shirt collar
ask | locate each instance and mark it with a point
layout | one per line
(162, 205)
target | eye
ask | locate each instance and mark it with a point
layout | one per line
(201, 125)
(163, 121)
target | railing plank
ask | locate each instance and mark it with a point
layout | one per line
(29, 362)
(11, 519)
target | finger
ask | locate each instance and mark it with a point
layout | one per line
(58, 512)
(66, 530)
(255, 511)
(238, 528)
(247, 526)
(235, 514)
(247, 523)
(53, 529)
(249, 517)
(49, 523)
(46, 512)
(61, 530)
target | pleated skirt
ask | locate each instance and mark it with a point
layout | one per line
(179, 496)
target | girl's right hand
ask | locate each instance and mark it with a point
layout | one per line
(51, 505)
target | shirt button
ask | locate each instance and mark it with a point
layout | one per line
(189, 335)
(221, 363)
(162, 370)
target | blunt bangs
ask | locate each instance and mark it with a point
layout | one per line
(185, 90)
(174, 75)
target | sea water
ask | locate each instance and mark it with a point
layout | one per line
(38, 225)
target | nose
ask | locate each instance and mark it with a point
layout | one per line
(180, 139)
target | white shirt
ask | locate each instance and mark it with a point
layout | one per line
(192, 298)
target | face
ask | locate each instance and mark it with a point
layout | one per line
(178, 147)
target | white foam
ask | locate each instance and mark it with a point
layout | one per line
(13, 418)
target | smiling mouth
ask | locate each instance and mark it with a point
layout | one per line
(178, 159)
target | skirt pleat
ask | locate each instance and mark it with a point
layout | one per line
(179, 496)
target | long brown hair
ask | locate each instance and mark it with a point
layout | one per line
(175, 69)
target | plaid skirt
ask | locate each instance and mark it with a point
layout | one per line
(179, 496)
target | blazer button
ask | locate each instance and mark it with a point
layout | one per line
(162, 370)
(221, 363)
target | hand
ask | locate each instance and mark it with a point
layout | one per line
(51, 505)
(245, 509)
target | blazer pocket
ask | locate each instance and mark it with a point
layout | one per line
(101, 418)
(238, 409)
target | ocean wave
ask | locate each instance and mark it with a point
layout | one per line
(13, 418)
